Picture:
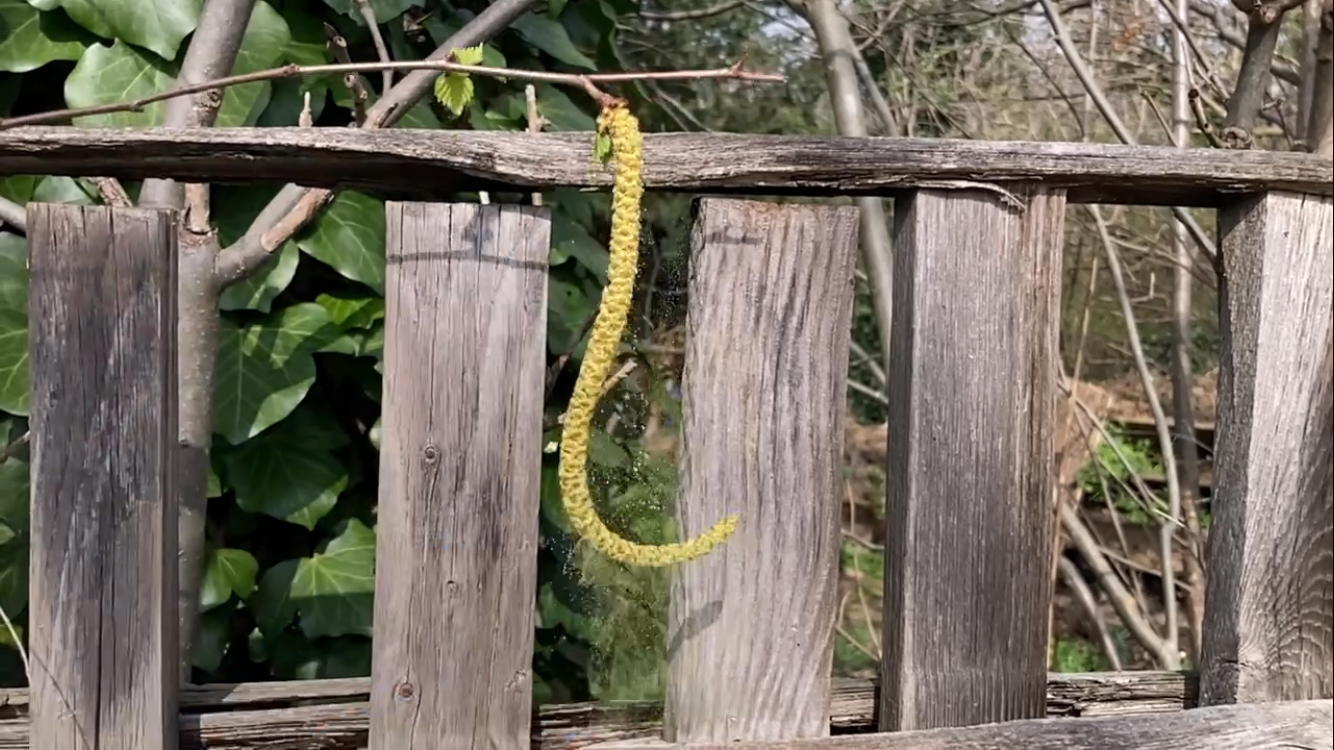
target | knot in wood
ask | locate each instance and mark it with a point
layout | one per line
(430, 454)
(405, 691)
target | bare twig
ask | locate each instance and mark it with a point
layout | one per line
(368, 15)
(1202, 119)
(535, 123)
(580, 80)
(352, 80)
(1121, 600)
(1108, 113)
(13, 214)
(1080, 588)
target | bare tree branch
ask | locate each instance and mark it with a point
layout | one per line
(211, 55)
(1108, 113)
(381, 49)
(1216, 15)
(839, 51)
(13, 214)
(1080, 588)
(1319, 133)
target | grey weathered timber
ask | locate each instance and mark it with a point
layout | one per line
(456, 546)
(763, 393)
(103, 587)
(434, 162)
(333, 714)
(1280, 726)
(970, 482)
(1269, 617)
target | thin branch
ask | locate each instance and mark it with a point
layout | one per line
(368, 15)
(13, 214)
(1108, 112)
(1120, 598)
(535, 123)
(1075, 580)
(112, 192)
(352, 81)
(582, 81)
(1215, 14)
(691, 15)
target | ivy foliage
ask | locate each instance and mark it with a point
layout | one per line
(289, 585)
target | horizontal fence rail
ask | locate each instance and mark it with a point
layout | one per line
(436, 162)
(971, 383)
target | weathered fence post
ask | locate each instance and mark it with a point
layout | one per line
(1269, 613)
(102, 609)
(973, 366)
(456, 547)
(750, 635)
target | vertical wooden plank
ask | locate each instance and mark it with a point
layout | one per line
(102, 607)
(460, 466)
(1269, 613)
(764, 388)
(971, 480)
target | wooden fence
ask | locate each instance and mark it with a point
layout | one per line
(972, 384)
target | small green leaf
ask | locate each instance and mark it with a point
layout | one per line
(227, 572)
(334, 590)
(467, 55)
(31, 38)
(454, 90)
(212, 635)
(602, 147)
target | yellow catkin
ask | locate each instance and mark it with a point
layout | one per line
(627, 190)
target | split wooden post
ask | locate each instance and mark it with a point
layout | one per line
(971, 480)
(456, 548)
(750, 634)
(1269, 614)
(103, 578)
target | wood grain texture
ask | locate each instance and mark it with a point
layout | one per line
(763, 394)
(334, 714)
(432, 163)
(1277, 726)
(102, 578)
(456, 547)
(1269, 614)
(971, 479)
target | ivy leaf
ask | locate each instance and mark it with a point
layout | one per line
(352, 311)
(289, 472)
(552, 38)
(334, 590)
(292, 656)
(569, 305)
(265, 369)
(30, 38)
(155, 25)
(107, 75)
(349, 236)
(385, 10)
(272, 603)
(307, 45)
(13, 324)
(266, 38)
(19, 187)
(213, 632)
(454, 90)
(13, 577)
(61, 189)
(561, 111)
(14, 499)
(570, 240)
(227, 572)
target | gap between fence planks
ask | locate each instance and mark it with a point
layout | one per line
(334, 714)
(751, 625)
(102, 578)
(970, 477)
(429, 163)
(1269, 623)
(456, 542)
